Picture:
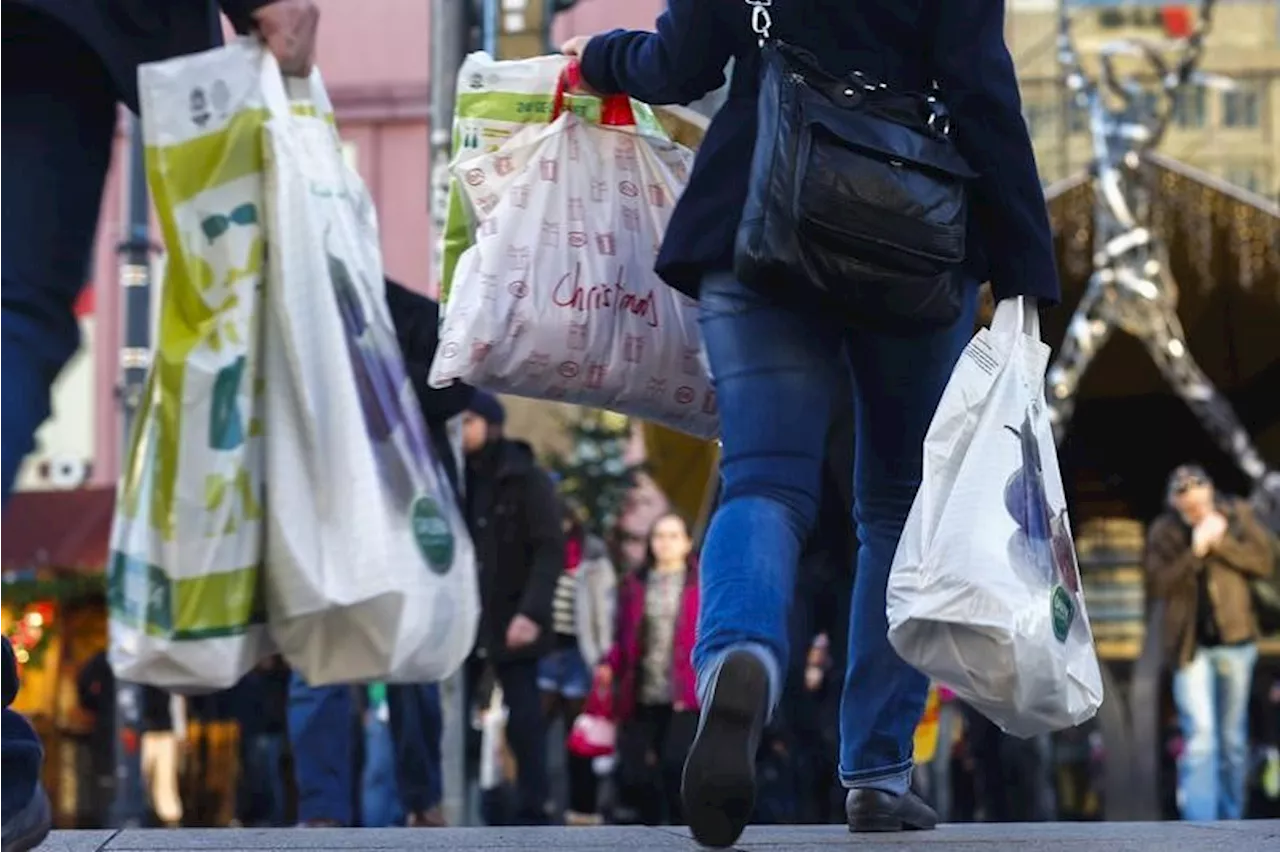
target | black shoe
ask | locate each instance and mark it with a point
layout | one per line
(8, 673)
(28, 828)
(876, 810)
(719, 785)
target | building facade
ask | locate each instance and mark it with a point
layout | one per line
(374, 56)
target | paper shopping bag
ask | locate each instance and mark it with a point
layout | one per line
(184, 576)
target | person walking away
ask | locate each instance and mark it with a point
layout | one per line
(514, 516)
(67, 65)
(651, 668)
(775, 366)
(1200, 557)
(582, 618)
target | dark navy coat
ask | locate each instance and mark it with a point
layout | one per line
(905, 43)
(127, 33)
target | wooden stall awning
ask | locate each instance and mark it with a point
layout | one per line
(61, 530)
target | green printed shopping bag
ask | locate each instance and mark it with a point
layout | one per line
(184, 577)
(495, 100)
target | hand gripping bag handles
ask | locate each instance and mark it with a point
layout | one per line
(984, 594)
(370, 569)
(856, 197)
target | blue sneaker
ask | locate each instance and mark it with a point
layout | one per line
(28, 827)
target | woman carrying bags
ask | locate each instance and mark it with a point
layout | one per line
(656, 701)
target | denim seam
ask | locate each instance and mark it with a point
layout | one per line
(865, 775)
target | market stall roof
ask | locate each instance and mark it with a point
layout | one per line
(63, 530)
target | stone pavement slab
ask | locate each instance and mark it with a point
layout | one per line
(1248, 836)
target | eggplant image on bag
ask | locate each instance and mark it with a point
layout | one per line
(1043, 535)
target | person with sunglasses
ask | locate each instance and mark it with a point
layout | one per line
(1201, 556)
(68, 64)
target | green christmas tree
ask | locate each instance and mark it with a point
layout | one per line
(595, 476)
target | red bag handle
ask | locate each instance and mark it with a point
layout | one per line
(615, 110)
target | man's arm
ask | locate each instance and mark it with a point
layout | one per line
(546, 547)
(1249, 552)
(682, 60)
(973, 65)
(1170, 565)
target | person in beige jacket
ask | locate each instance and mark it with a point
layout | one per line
(1201, 559)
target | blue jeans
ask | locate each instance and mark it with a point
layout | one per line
(59, 121)
(564, 672)
(261, 786)
(1212, 696)
(776, 370)
(320, 732)
(417, 726)
(379, 790)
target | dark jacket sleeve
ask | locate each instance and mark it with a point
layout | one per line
(973, 65)
(240, 12)
(677, 64)
(1245, 546)
(1169, 562)
(417, 322)
(546, 546)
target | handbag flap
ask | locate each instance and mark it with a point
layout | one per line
(858, 126)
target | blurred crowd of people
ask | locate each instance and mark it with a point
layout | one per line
(569, 616)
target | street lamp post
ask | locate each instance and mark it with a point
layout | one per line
(134, 252)
(450, 27)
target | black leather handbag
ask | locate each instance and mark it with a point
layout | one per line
(857, 199)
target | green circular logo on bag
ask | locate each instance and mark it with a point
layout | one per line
(432, 533)
(1063, 611)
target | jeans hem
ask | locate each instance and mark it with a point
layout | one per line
(869, 777)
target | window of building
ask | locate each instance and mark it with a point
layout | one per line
(1252, 178)
(1241, 107)
(1190, 108)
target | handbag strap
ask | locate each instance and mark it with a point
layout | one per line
(762, 25)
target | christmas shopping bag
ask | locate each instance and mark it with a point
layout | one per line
(594, 732)
(558, 299)
(186, 545)
(495, 99)
(370, 569)
(984, 594)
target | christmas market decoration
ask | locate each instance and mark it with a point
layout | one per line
(595, 476)
(33, 606)
(1131, 287)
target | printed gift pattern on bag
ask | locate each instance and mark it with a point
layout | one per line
(580, 213)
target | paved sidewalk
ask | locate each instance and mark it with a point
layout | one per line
(1251, 836)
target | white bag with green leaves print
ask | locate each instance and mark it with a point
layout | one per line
(184, 577)
(495, 100)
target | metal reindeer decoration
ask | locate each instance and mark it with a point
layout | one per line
(1131, 288)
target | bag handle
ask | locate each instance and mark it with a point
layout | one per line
(615, 110)
(1017, 315)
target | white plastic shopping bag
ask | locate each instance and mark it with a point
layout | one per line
(184, 576)
(371, 572)
(984, 594)
(496, 99)
(558, 299)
